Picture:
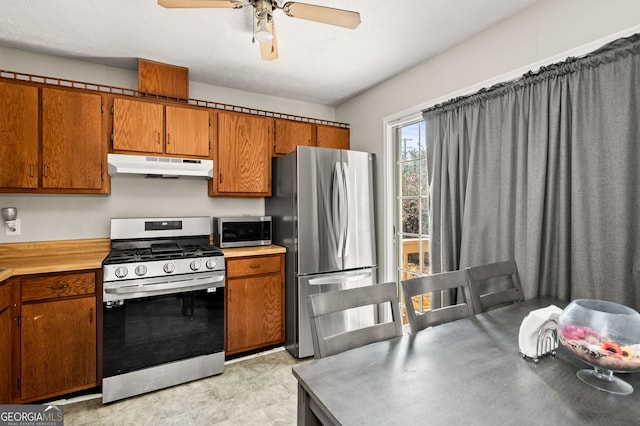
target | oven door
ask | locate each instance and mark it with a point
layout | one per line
(149, 331)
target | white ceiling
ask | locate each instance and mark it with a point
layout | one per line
(318, 63)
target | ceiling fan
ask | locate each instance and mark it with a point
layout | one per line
(264, 30)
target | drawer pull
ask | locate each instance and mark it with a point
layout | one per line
(59, 286)
(254, 266)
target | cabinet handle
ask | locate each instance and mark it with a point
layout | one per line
(254, 266)
(30, 170)
(158, 137)
(45, 171)
(168, 138)
(91, 315)
(59, 286)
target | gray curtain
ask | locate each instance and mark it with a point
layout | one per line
(545, 170)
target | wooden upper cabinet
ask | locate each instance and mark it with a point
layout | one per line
(243, 155)
(137, 126)
(18, 136)
(290, 134)
(163, 79)
(148, 127)
(52, 140)
(187, 131)
(332, 137)
(72, 144)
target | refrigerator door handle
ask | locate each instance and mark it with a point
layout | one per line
(339, 207)
(339, 280)
(335, 208)
(348, 206)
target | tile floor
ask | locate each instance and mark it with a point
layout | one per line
(256, 390)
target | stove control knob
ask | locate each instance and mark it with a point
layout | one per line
(211, 263)
(169, 268)
(195, 265)
(141, 270)
(121, 272)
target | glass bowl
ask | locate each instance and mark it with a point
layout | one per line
(605, 335)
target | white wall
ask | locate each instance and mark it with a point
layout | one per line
(545, 30)
(62, 217)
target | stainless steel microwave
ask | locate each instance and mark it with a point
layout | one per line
(242, 231)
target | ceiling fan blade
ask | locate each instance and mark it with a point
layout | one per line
(322, 14)
(269, 50)
(230, 4)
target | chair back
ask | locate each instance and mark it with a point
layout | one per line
(323, 304)
(437, 315)
(486, 292)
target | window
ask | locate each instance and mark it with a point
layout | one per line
(412, 205)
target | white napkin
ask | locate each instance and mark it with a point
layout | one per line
(530, 327)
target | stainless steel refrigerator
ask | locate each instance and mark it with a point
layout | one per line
(322, 211)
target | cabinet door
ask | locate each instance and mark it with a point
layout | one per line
(332, 137)
(18, 136)
(254, 312)
(187, 131)
(137, 126)
(58, 346)
(290, 134)
(72, 144)
(5, 343)
(244, 155)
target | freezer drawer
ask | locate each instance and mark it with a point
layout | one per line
(340, 321)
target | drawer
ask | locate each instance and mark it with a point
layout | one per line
(55, 286)
(253, 266)
(5, 295)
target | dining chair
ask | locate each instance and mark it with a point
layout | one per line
(494, 284)
(434, 283)
(323, 304)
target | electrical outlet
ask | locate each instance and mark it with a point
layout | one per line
(8, 231)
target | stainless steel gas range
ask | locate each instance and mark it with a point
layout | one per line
(163, 305)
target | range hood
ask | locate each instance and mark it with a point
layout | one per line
(159, 166)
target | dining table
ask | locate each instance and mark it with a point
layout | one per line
(464, 372)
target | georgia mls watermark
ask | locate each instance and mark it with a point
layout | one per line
(31, 415)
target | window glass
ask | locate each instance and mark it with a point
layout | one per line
(412, 195)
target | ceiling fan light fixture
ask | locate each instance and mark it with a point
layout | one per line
(262, 34)
(264, 30)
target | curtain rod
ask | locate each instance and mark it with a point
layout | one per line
(605, 54)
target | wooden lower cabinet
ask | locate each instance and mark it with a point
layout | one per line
(58, 335)
(254, 303)
(5, 342)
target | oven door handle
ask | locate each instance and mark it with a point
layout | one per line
(180, 286)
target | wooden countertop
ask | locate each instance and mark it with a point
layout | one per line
(252, 251)
(74, 255)
(51, 256)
